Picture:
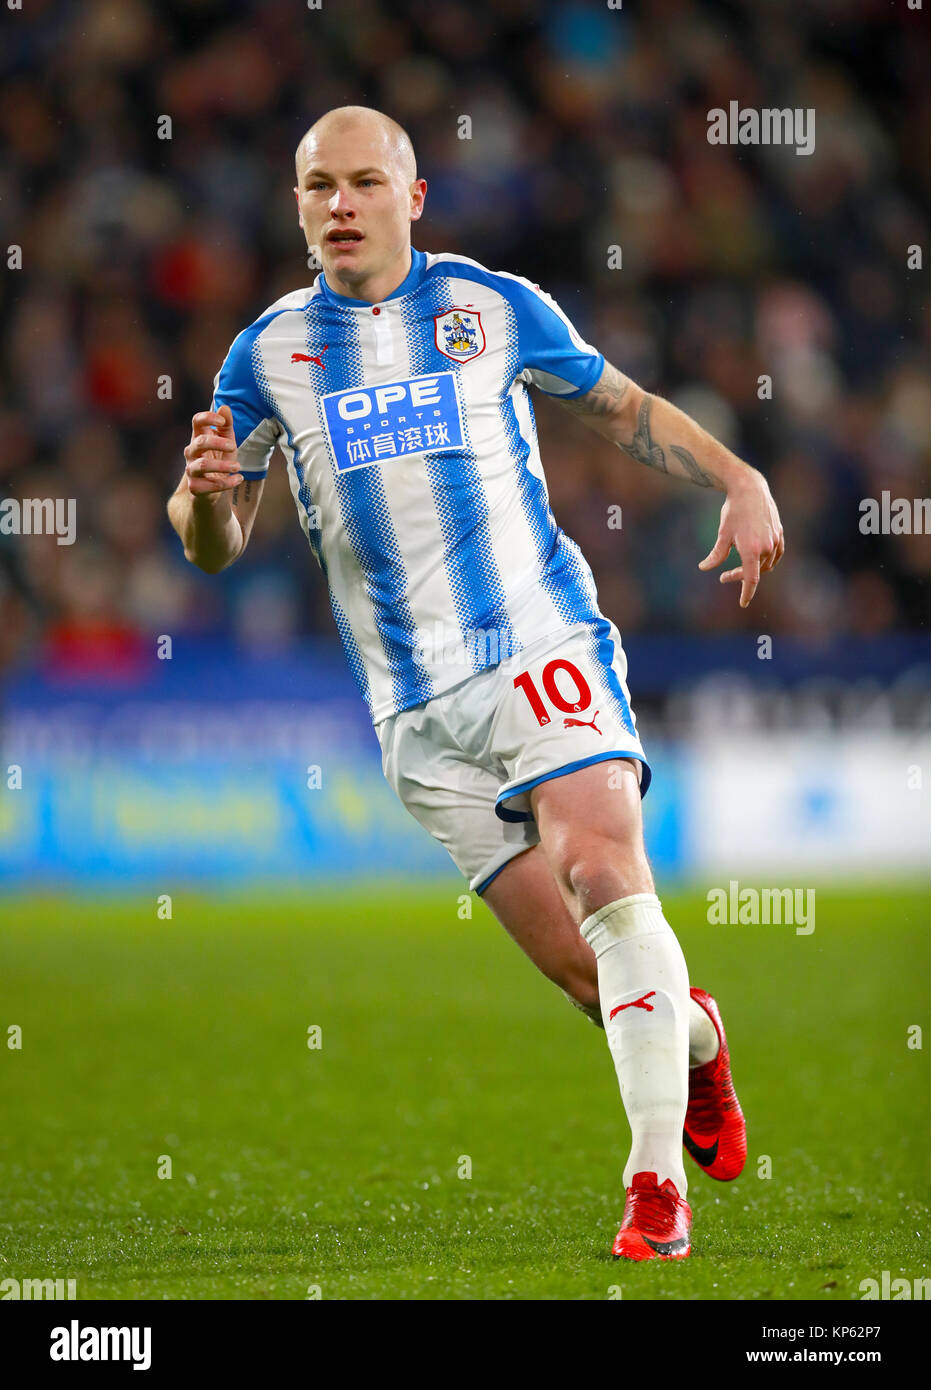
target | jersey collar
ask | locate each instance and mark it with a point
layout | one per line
(410, 282)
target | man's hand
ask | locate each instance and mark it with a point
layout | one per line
(213, 508)
(750, 523)
(212, 464)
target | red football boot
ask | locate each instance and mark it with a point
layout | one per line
(715, 1133)
(657, 1222)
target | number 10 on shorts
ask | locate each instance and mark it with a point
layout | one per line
(579, 701)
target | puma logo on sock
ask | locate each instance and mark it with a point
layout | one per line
(640, 1003)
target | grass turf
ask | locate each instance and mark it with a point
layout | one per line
(337, 1168)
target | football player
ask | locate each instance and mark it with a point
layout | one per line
(397, 387)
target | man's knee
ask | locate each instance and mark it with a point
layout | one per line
(598, 869)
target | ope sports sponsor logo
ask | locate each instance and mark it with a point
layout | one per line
(374, 424)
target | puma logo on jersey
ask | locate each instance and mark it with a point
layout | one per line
(583, 723)
(302, 357)
(640, 1003)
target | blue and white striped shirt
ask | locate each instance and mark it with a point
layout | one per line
(412, 453)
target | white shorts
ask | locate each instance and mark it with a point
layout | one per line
(464, 763)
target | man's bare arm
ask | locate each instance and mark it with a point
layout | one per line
(656, 433)
(213, 508)
(605, 403)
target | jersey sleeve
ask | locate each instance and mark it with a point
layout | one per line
(254, 423)
(553, 355)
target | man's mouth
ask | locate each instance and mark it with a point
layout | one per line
(343, 237)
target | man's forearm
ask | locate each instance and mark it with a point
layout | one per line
(209, 528)
(665, 438)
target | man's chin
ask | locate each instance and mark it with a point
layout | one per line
(345, 264)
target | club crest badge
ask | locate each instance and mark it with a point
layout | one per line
(459, 334)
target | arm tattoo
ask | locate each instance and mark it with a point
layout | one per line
(605, 397)
(696, 473)
(644, 448)
(605, 400)
(246, 490)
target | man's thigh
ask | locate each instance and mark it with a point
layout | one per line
(591, 831)
(449, 793)
(600, 801)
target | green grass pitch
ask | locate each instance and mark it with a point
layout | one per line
(337, 1168)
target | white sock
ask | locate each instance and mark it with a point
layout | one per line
(703, 1036)
(704, 1043)
(644, 983)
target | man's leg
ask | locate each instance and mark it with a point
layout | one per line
(591, 833)
(527, 903)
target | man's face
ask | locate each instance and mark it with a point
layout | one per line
(354, 202)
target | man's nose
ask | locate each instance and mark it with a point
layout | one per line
(341, 202)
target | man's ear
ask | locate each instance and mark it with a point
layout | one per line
(297, 199)
(418, 186)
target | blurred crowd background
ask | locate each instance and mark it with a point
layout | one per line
(144, 257)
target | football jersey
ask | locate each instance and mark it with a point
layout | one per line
(409, 437)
